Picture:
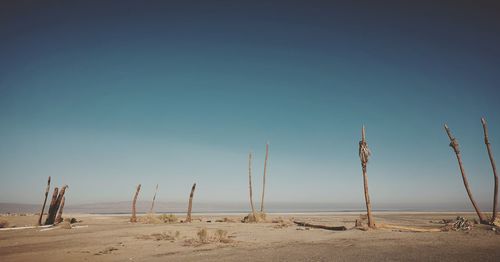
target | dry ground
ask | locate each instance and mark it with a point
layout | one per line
(113, 238)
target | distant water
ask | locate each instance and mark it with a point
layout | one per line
(236, 208)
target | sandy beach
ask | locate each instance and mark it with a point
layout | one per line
(113, 238)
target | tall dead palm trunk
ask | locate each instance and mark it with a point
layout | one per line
(54, 206)
(153, 203)
(190, 205)
(494, 167)
(364, 154)
(133, 218)
(250, 184)
(59, 218)
(455, 146)
(44, 202)
(264, 179)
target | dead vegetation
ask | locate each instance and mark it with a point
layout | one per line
(153, 219)
(4, 223)
(254, 217)
(206, 237)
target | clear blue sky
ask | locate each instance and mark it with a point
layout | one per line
(103, 95)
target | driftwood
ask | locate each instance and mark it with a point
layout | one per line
(494, 167)
(153, 203)
(133, 218)
(190, 205)
(364, 154)
(59, 218)
(338, 228)
(264, 179)
(44, 202)
(455, 146)
(250, 183)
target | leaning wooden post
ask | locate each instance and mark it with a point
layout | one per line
(190, 205)
(44, 202)
(250, 184)
(364, 154)
(59, 218)
(154, 197)
(133, 218)
(52, 205)
(264, 179)
(455, 146)
(494, 167)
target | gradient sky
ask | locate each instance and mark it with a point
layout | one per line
(103, 95)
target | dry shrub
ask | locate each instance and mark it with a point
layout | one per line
(250, 218)
(4, 223)
(203, 235)
(170, 236)
(150, 219)
(167, 236)
(170, 218)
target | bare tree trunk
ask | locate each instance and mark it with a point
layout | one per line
(54, 207)
(59, 218)
(455, 146)
(264, 179)
(133, 218)
(250, 183)
(154, 197)
(364, 154)
(190, 205)
(44, 202)
(494, 167)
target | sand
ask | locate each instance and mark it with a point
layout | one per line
(113, 238)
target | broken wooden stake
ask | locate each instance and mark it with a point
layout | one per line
(44, 202)
(455, 146)
(133, 218)
(190, 205)
(334, 228)
(494, 167)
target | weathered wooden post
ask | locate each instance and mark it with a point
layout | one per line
(190, 205)
(494, 167)
(59, 218)
(133, 218)
(364, 154)
(44, 202)
(154, 197)
(250, 184)
(54, 206)
(455, 146)
(264, 179)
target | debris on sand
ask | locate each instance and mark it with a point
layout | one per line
(4, 223)
(459, 224)
(107, 250)
(251, 218)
